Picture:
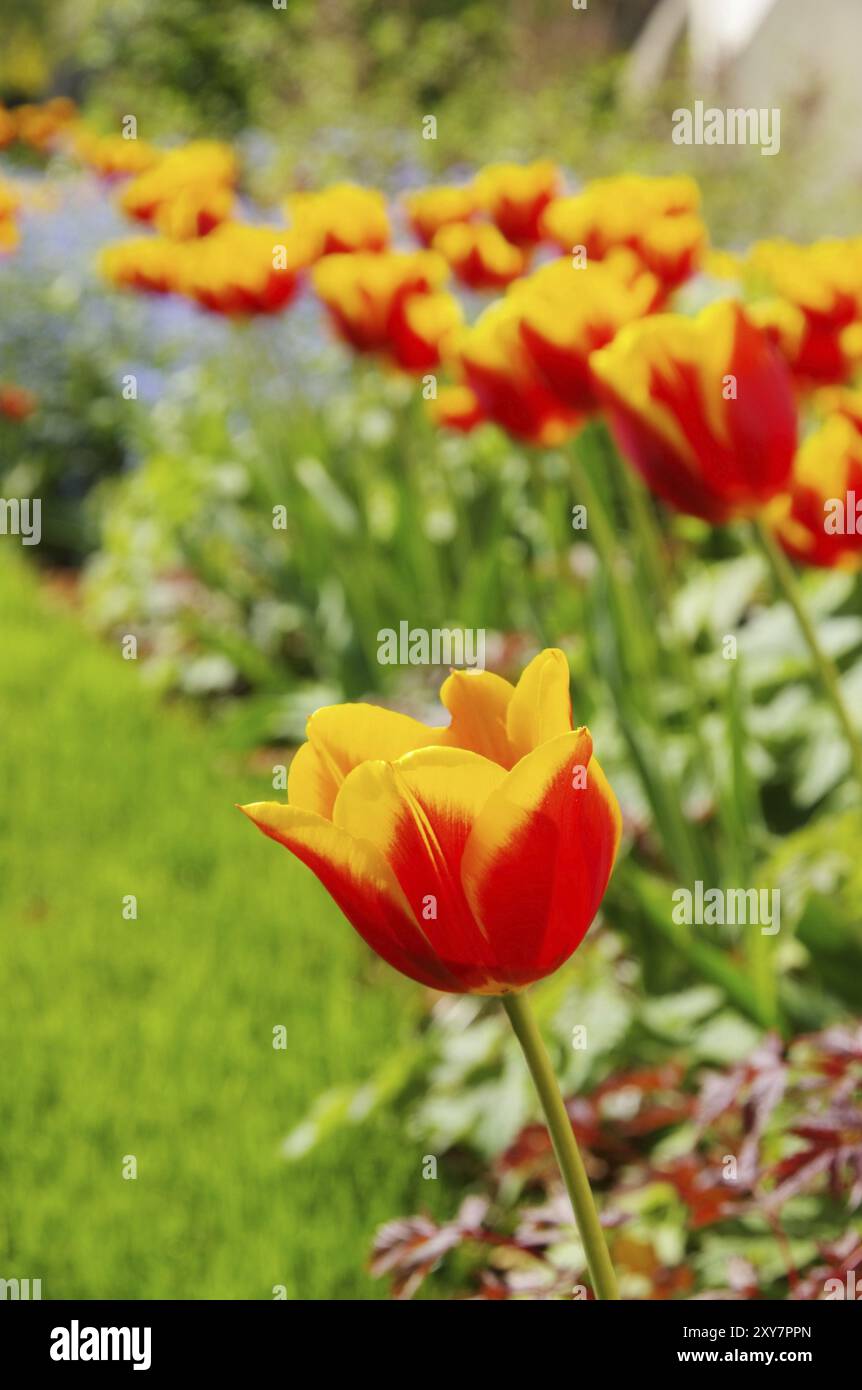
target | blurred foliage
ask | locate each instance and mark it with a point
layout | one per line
(744, 1182)
(321, 90)
(129, 1034)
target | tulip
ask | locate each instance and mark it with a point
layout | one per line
(815, 305)
(422, 327)
(703, 408)
(112, 156)
(456, 407)
(195, 211)
(480, 255)
(364, 294)
(819, 522)
(8, 127)
(9, 204)
(487, 819)
(429, 209)
(514, 196)
(41, 126)
(202, 165)
(500, 372)
(471, 858)
(342, 218)
(240, 270)
(658, 218)
(567, 314)
(16, 402)
(149, 264)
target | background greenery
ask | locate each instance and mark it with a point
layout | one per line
(154, 1037)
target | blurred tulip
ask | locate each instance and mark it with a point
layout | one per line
(341, 218)
(10, 237)
(239, 270)
(422, 328)
(814, 305)
(514, 196)
(16, 402)
(566, 314)
(456, 408)
(365, 293)
(40, 126)
(429, 209)
(819, 521)
(149, 264)
(195, 212)
(473, 858)
(8, 127)
(658, 218)
(112, 156)
(480, 256)
(703, 408)
(201, 165)
(9, 205)
(497, 367)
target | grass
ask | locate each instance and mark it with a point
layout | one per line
(153, 1037)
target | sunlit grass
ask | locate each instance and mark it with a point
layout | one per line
(153, 1037)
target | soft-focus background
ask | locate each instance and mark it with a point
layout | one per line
(261, 1167)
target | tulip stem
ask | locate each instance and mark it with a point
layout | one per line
(785, 578)
(574, 1173)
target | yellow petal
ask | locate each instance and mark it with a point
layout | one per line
(541, 707)
(341, 737)
(477, 702)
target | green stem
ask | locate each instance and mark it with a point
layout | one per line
(574, 1173)
(785, 578)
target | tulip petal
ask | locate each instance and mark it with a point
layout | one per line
(340, 737)
(417, 813)
(362, 884)
(541, 707)
(539, 857)
(477, 702)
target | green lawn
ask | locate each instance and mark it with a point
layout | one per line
(154, 1037)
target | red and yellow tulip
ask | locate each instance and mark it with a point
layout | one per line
(149, 264)
(813, 306)
(703, 408)
(422, 329)
(429, 209)
(479, 255)
(657, 218)
(494, 363)
(203, 165)
(112, 156)
(456, 407)
(239, 270)
(514, 196)
(567, 314)
(365, 296)
(819, 521)
(341, 219)
(473, 858)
